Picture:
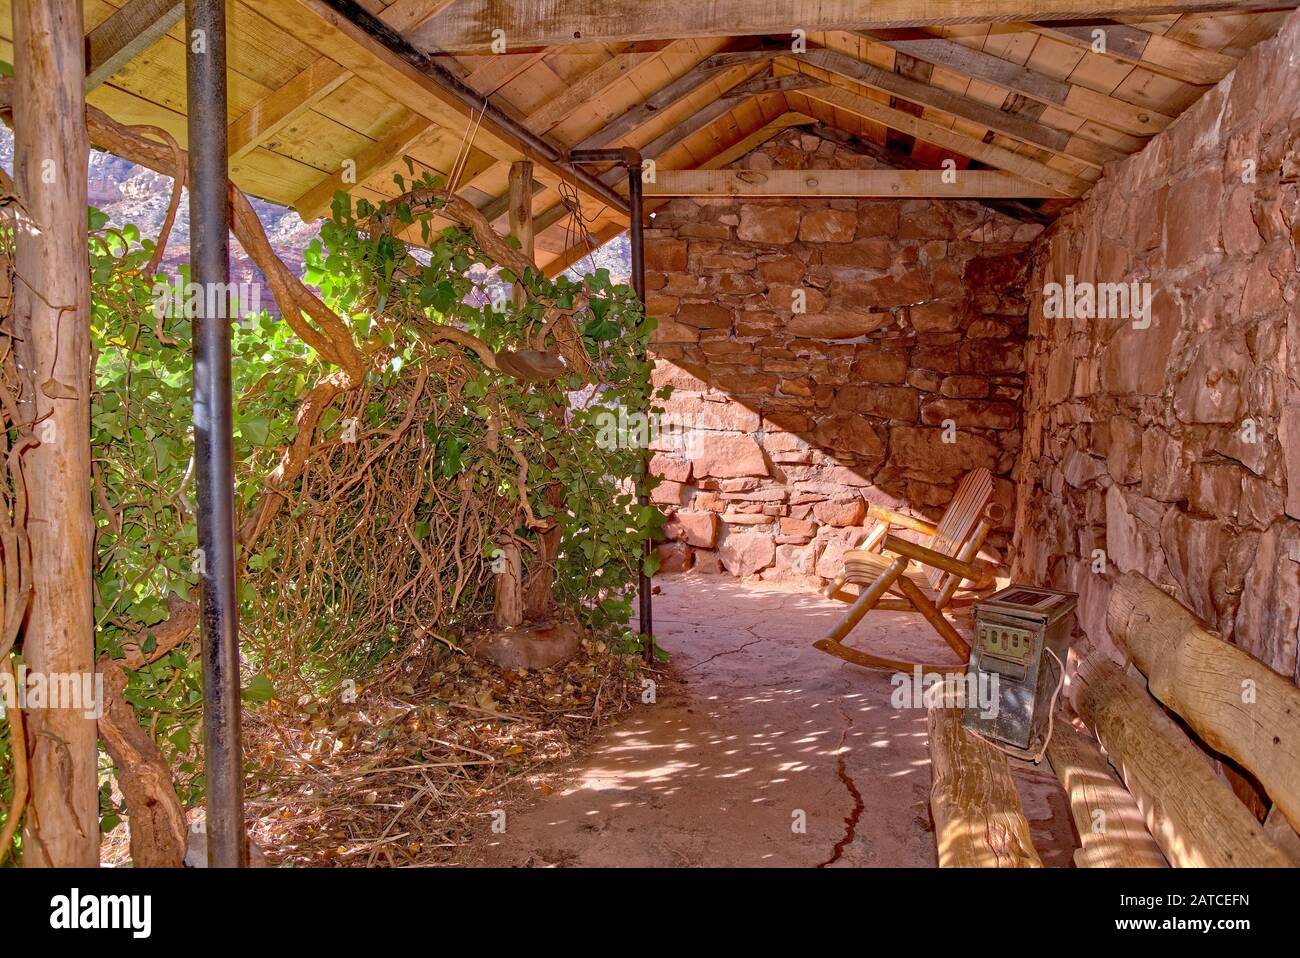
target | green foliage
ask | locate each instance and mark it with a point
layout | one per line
(387, 536)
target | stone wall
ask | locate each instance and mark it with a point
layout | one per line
(1175, 449)
(819, 351)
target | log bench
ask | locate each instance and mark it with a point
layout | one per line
(1142, 792)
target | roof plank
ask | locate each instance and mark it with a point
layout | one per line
(128, 31)
(942, 136)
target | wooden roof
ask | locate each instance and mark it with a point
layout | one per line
(318, 88)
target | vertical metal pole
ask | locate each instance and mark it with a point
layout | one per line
(635, 204)
(630, 160)
(205, 69)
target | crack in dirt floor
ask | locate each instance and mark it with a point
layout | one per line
(841, 772)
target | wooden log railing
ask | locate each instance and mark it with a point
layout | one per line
(978, 819)
(1105, 815)
(1234, 702)
(1192, 814)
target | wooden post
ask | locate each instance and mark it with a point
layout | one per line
(539, 589)
(1188, 809)
(52, 311)
(521, 216)
(978, 819)
(1236, 703)
(509, 609)
(1105, 815)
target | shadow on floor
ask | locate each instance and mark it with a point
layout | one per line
(759, 750)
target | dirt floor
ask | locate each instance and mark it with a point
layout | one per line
(759, 750)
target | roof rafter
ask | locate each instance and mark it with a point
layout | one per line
(1000, 121)
(709, 70)
(1069, 97)
(282, 106)
(986, 153)
(732, 153)
(1157, 53)
(127, 31)
(345, 32)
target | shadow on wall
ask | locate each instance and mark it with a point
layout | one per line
(827, 354)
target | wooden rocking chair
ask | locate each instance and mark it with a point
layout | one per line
(942, 565)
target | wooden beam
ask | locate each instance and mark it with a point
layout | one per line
(128, 30)
(467, 25)
(1069, 97)
(771, 84)
(1189, 810)
(405, 134)
(753, 141)
(521, 217)
(1017, 127)
(895, 160)
(1234, 702)
(732, 153)
(978, 819)
(701, 75)
(1158, 53)
(966, 184)
(347, 34)
(614, 177)
(986, 153)
(1105, 815)
(281, 107)
(587, 87)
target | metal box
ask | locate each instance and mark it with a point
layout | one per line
(1009, 668)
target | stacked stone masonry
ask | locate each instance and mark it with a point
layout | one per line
(1174, 449)
(826, 354)
(1167, 443)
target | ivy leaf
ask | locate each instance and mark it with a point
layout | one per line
(256, 429)
(259, 689)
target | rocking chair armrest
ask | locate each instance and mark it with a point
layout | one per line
(878, 533)
(890, 517)
(980, 573)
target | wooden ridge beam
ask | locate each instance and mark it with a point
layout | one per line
(986, 153)
(1027, 131)
(369, 48)
(129, 30)
(1069, 97)
(966, 184)
(468, 24)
